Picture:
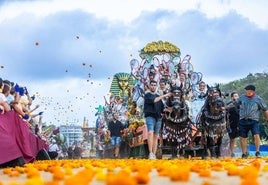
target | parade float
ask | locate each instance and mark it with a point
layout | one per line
(158, 60)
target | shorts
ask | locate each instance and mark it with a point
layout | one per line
(234, 133)
(153, 124)
(115, 140)
(245, 126)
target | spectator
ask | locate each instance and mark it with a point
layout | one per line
(53, 149)
(250, 105)
(70, 152)
(153, 109)
(201, 93)
(233, 122)
(163, 89)
(4, 107)
(115, 127)
(23, 147)
(100, 146)
(77, 151)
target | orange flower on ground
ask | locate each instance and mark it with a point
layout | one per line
(142, 177)
(100, 176)
(265, 168)
(249, 182)
(121, 178)
(34, 181)
(12, 183)
(83, 177)
(256, 163)
(217, 166)
(206, 183)
(249, 173)
(31, 172)
(233, 170)
(52, 183)
(58, 173)
(68, 171)
(205, 173)
(177, 173)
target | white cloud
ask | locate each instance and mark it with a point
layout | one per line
(128, 10)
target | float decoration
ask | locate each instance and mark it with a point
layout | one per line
(121, 85)
(155, 48)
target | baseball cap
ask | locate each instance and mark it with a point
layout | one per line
(250, 87)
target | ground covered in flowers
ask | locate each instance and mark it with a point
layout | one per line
(235, 171)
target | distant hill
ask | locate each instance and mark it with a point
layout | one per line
(260, 80)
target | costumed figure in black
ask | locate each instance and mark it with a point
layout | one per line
(214, 120)
(176, 123)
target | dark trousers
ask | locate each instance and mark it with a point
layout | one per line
(53, 155)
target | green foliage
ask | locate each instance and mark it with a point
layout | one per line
(260, 81)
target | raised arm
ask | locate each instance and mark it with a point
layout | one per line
(161, 97)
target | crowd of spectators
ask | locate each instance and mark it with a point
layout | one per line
(21, 135)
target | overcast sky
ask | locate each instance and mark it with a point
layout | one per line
(51, 46)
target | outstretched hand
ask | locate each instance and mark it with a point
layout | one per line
(16, 88)
(19, 89)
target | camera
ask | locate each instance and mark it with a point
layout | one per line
(224, 94)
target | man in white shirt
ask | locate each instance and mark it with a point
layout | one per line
(53, 149)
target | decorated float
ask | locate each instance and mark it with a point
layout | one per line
(158, 61)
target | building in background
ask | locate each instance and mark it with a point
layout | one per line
(73, 133)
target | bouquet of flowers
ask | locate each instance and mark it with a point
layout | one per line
(129, 133)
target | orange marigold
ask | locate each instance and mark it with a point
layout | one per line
(249, 172)
(249, 182)
(32, 172)
(233, 170)
(52, 183)
(142, 177)
(256, 163)
(58, 174)
(179, 174)
(206, 183)
(34, 181)
(205, 173)
(120, 178)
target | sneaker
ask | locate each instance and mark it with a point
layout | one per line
(151, 156)
(244, 156)
(258, 154)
